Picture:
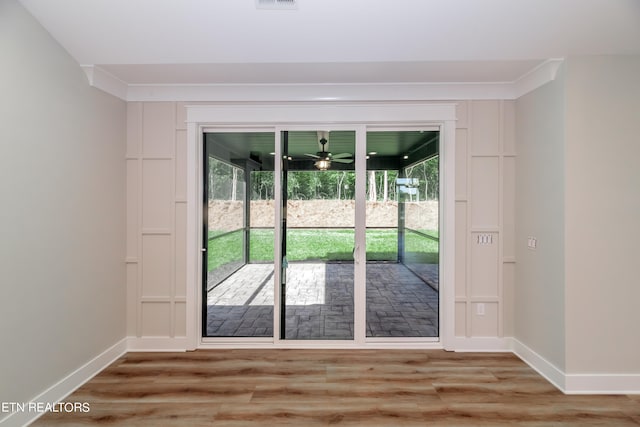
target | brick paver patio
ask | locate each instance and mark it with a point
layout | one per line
(320, 302)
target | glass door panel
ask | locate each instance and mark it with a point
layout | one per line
(402, 234)
(239, 216)
(318, 216)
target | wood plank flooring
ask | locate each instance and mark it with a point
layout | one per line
(333, 387)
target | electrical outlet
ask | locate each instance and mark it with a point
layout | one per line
(480, 309)
(532, 243)
(484, 239)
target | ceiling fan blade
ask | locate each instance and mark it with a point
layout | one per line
(342, 160)
(341, 155)
(312, 155)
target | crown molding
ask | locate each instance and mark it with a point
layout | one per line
(540, 75)
(320, 92)
(100, 79)
(366, 92)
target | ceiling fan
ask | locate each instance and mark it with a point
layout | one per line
(324, 157)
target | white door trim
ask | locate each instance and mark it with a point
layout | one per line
(289, 115)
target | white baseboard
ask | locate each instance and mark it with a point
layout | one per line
(545, 368)
(602, 384)
(479, 344)
(577, 383)
(67, 385)
(157, 344)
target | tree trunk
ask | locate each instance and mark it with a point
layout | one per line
(234, 184)
(385, 192)
(372, 186)
(339, 185)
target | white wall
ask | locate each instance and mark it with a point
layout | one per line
(578, 192)
(539, 297)
(603, 214)
(62, 221)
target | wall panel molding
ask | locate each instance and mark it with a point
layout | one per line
(470, 203)
(489, 131)
(152, 146)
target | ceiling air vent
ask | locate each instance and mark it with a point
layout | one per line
(277, 4)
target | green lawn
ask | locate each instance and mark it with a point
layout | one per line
(224, 250)
(323, 244)
(421, 250)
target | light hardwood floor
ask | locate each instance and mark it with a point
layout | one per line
(333, 387)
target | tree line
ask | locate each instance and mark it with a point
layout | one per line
(226, 182)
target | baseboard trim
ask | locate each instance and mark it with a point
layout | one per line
(157, 344)
(541, 365)
(67, 385)
(577, 383)
(602, 384)
(479, 344)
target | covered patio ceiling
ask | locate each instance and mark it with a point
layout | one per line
(390, 147)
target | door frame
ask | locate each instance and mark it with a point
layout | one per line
(274, 117)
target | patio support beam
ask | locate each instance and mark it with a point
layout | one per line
(401, 221)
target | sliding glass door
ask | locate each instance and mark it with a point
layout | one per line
(322, 234)
(239, 216)
(317, 235)
(402, 234)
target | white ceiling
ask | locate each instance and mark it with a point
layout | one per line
(334, 41)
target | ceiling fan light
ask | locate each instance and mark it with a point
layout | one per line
(322, 164)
